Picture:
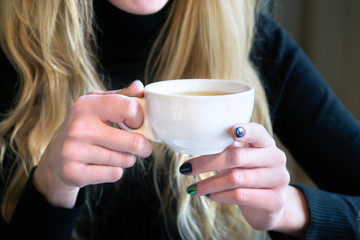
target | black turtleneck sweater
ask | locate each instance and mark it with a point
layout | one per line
(124, 41)
(307, 117)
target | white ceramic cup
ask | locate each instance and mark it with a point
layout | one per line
(193, 124)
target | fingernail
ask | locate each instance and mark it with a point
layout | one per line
(192, 189)
(207, 195)
(128, 85)
(240, 132)
(186, 168)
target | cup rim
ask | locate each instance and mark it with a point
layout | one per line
(151, 87)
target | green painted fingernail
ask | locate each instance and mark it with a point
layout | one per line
(191, 189)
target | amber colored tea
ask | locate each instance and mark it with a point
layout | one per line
(202, 93)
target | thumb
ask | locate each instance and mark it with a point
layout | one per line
(135, 89)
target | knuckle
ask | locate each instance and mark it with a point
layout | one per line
(236, 155)
(66, 150)
(278, 202)
(233, 156)
(280, 157)
(130, 106)
(76, 128)
(139, 143)
(81, 104)
(261, 130)
(81, 129)
(272, 141)
(68, 169)
(285, 178)
(241, 196)
(106, 158)
(69, 151)
(236, 176)
(242, 154)
(70, 173)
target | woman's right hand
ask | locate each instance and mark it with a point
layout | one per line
(86, 149)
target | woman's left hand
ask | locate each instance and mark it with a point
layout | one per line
(253, 176)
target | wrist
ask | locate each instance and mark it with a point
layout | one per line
(296, 214)
(55, 195)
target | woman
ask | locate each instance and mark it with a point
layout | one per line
(60, 151)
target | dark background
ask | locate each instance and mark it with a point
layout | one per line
(329, 33)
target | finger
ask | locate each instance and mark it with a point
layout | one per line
(253, 134)
(95, 174)
(135, 89)
(103, 156)
(98, 155)
(235, 157)
(98, 133)
(269, 200)
(124, 141)
(110, 108)
(261, 178)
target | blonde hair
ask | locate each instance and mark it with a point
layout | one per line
(49, 44)
(200, 39)
(205, 39)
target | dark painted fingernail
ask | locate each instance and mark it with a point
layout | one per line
(207, 195)
(186, 168)
(240, 132)
(192, 189)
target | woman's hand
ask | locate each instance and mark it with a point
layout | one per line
(255, 178)
(86, 149)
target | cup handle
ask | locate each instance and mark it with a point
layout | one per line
(145, 129)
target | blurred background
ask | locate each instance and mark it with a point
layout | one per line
(329, 33)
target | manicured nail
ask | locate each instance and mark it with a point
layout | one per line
(192, 189)
(240, 132)
(186, 168)
(207, 195)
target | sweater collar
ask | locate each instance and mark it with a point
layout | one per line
(125, 36)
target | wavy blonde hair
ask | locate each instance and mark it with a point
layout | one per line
(56, 65)
(205, 39)
(49, 44)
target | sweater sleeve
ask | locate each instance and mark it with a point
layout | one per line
(35, 218)
(317, 129)
(333, 216)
